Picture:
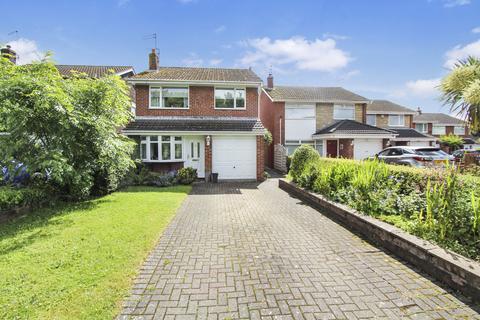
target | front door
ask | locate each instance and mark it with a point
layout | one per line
(196, 154)
(332, 148)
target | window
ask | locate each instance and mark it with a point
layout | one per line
(372, 119)
(168, 98)
(319, 147)
(343, 111)
(161, 148)
(421, 127)
(459, 130)
(229, 98)
(396, 120)
(438, 130)
(292, 145)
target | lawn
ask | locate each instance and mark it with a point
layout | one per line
(77, 261)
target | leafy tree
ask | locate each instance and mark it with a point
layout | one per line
(452, 141)
(461, 89)
(66, 129)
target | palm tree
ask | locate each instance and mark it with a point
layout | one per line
(461, 90)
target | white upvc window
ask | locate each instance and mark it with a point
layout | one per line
(372, 119)
(161, 148)
(168, 97)
(459, 130)
(421, 127)
(343, 112)
(230, 98)
(439, 130)
(396, 120)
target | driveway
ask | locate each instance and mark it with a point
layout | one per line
(250, 251)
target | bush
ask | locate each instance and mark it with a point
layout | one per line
(12, 197)
(186, 175)
(302, 155)
(166, 180)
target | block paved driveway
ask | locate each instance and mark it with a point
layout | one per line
(250, 251)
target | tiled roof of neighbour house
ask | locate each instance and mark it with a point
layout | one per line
(314, 94)
(441, 118)
(410, 133)
(379, 106)
(199, 74)
(66, 70)
(196, 124)
(352, 127)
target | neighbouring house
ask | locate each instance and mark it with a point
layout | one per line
(204, 118)
(67, 70)
(331, 119)
(388, 115)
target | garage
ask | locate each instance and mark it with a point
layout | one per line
(364, 148)
(234, 157)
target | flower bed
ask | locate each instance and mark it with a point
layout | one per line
(438, 205)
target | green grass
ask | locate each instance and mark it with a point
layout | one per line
(77, 261)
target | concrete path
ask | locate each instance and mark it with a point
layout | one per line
(250, 251)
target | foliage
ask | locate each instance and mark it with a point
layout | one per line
(267, 137)
(67, 128)
(166, 180)
(77, 261)
(186, 175)
(266, 175)
(452, 141)
(13, 198)
(461, 90)
(439, 205)
(302, 155)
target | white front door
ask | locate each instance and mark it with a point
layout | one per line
(234, 157)
(195, 154)
(364, 148)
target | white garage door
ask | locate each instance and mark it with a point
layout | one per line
(364, 148)
(234, 157)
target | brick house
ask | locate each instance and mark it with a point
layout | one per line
(388, 115)
(331, 119)
(205, 118)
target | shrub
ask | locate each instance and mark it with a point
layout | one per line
(186, 175)
(166, 180)
(12, 197)
(302, 155)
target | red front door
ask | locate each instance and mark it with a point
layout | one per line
(332, 148)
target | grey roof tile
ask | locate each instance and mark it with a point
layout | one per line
(352, 127)
(377, 106)
(199, 74)
(314, 94)
(66, 70)
(441, 118)
(409, 133)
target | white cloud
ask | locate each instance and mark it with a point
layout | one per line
(220, 29)
(215, 62)
(193, 60)
(335, 36)
(476, 30)
(460, 53)
(27, 50)
(455, 3)
(315, 55)
(423, 87)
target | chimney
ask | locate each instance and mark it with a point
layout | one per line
(419, 111)
(270, 81)
(8, 53)
(153, 60)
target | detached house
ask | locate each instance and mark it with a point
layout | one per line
(205, 118)
(331, 119)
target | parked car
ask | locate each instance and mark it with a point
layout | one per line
(415, 156)
(460, 154)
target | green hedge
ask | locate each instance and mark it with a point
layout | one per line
(12, 198)
(438, 205)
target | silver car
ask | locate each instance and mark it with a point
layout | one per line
(416, 156)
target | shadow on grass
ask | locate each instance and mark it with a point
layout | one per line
(173, 189)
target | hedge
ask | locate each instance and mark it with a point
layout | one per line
(442, 206)
(13, 198)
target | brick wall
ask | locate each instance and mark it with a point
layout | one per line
(260, 158)
(202, 103)
(208, 160)
(345, 148)
(272, 115)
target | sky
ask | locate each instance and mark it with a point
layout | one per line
(381, 49)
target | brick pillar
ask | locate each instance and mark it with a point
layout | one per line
(208, 159)
(260, 158)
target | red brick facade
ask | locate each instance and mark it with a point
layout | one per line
(260, 158)
(208, 160)
(272, 115)
(201, 103)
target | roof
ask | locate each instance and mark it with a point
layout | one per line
(196, 124)
(468, 140)
(314, 94)
(352, 127)
(379, 106)
(409, 133)
(92, 71)
(199, 74)
(441, 118)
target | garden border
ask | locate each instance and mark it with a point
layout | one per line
(456, 271)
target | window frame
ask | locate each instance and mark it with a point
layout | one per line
(444, 132)
(424, 126)
(234, 88)
(172, 143)
(459, 134)
(160, 88)
(374, 117)
(400, 116)
(344, 105)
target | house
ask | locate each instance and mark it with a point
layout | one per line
(388, 115)
(67, 70)
(204, 118)
(331, 119)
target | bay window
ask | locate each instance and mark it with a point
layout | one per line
(344, 112)
(396, 120)
(161, 148)
(168, 98)
(230, 98)
(421, 127)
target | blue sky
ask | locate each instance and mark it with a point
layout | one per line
(396, 50)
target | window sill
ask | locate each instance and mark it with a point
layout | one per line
(162, 161)
(162, 108)
(232, 109)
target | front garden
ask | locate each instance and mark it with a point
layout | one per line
(442, 206)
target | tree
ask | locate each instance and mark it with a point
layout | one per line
(66, 129)
(453, 142)
(461, 89)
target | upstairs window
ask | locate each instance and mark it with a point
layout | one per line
(229, 98)
(168, 98)
(459, 130)
(421, 127)
(396, 120)
(438, 130)
(372, 119)
(344, 112)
